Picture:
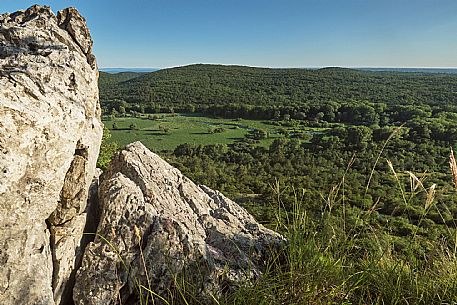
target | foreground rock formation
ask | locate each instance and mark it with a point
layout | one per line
(50, 133)
(157, 226)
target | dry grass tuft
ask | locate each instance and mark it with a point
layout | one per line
(453, 166)
(430, 197)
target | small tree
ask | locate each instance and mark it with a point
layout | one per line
(114, 113)
(260, 134)
(133, 126)
(122, 110)
(319, 116)
(164, 129)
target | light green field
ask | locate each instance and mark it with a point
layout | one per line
(192, 129)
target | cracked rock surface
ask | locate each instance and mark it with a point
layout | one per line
(50, 133)
(151, 211)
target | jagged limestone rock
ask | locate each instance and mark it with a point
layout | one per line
(150, 210)
(50, 133)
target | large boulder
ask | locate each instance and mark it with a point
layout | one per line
(50, 133)
(157, 227)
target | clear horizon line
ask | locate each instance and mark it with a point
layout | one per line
(288, 67)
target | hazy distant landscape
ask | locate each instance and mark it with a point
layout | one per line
(121, 70)
(413, 70)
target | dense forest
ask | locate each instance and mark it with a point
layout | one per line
(385, 142)
(212, 85)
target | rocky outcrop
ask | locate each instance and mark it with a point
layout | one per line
(157, 226)
(50, 133)
(153, 227)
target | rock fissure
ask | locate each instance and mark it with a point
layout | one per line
(52, 243)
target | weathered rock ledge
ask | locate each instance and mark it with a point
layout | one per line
(150, 211)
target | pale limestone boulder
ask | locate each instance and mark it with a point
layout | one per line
(181, 228)
(50, 133)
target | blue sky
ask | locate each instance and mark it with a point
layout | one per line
(270, 33)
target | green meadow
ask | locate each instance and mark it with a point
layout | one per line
(166, 131)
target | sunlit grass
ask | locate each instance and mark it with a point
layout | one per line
(192, 129)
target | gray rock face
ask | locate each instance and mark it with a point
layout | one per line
(50, 133)
(156, 226)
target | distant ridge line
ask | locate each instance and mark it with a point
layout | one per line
(411, 70)
(371, 69)
(119, 70)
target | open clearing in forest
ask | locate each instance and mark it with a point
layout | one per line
(166, 131)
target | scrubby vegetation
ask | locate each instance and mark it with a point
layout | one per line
(351, 166)
(331, 261)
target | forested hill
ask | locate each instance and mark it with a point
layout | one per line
(219, 85)
(107, 80)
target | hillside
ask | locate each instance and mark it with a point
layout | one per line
(217, 84)
(310, 130)
(109, 79)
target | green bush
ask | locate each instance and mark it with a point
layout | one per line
(107, 149)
